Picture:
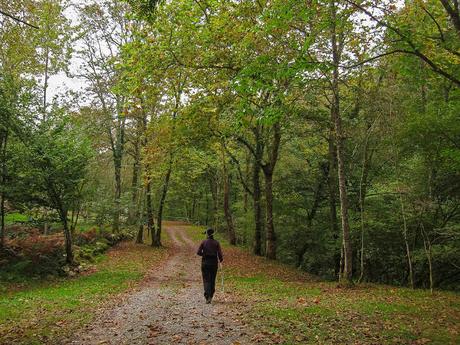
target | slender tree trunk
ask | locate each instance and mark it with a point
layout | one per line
(268, 170)
(3, 145)
(341, 262)
(332, 189)
(148, 201)
(270, 229)
(140, 233)
(156, 242)
(144, 205)
(429, 255)
(116, 214)
(67, 237)
(257, 191)
(406, 242)
(45, 91)
(140, 217)
(118, 152)
(45, 81)
(332, 185)
(214, 195)
(362, 199)
(346, 276)
(227, 210)
(74, 222)
(247, 176)
(134, 209)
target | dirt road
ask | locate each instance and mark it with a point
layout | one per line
(168, 307)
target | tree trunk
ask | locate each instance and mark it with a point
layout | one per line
(332, 189)
(227, 210)
(346, 276)
(257, 193)
(332, 185)
(406, 242)
(134, 209)
(45, 81)
(3, 144)
(140, 233)
(67, 237)
(271, 235)
(116, 213)
(148, 197)
(247, 176)
(268, 170)
(429, 255)
(156, 240)
(362, 199)
(206, 221)
(74, 220)
(118, 151)
(140, 217)
(214, 195)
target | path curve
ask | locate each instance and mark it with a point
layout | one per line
(168, 307)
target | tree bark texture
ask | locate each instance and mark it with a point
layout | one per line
(3, 145)
(148, 201)
(140, 218)
(227, 209)
(118, 152)
(156, 240)
(68, 239)
(268, 170)
(257, 193)
(346, 275)
(406, 243)
(134, 209)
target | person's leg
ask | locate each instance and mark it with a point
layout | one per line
(213, 274)
(205, 274)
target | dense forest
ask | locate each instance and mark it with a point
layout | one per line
(323, 134)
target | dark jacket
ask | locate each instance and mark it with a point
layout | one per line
(210, 250)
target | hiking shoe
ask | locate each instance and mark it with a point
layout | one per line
(208, 300)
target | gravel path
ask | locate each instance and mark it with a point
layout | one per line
(168, 307)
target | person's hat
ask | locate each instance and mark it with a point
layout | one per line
(209, 232)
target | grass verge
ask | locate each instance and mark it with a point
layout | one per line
(44, 312)
(289, 307)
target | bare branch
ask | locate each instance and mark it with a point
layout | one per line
(18, 20)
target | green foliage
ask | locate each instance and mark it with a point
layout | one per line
(245, 68)
(11, 218)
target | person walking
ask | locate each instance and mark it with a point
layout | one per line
(211, 253)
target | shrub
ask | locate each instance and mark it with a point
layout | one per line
(34, 255)
(30, 253)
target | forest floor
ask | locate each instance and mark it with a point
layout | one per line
(154, 296)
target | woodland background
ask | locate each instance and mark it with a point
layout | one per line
(324, 134)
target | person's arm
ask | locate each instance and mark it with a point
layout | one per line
(200, 249)
(219, 252)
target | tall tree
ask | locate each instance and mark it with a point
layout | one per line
(104, 29)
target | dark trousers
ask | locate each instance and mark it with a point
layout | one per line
(209, 271)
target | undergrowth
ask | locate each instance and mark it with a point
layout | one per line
(47, 311)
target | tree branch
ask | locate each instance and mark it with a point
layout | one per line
(435, 68)
(240, 173)
(18, 20)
